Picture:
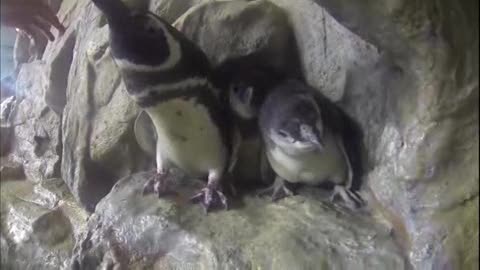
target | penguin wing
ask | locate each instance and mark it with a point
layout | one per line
(236, 143)
(344, 126)
(145, 133)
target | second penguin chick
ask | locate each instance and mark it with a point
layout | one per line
(302, 131)
(248, 83)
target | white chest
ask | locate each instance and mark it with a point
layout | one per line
(311, 167)
(187, 136)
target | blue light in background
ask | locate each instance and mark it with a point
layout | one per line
(7, 42)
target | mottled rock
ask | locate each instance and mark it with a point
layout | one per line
(327, 49)
(23, 51)
(6, 128)
(171, 10)
(7, 87)
(419, 109)
(11, 170)
(39, 224)
(135, 232)
(59, 60)
(227, 29)
(37, 138)
(99, 145)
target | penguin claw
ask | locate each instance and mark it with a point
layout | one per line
(158, 184)
(210, 198)
(276, 192)
(351, 198)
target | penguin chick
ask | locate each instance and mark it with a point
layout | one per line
(247, 83)
(169, 77)
(302, 131)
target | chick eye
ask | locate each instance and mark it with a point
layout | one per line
(150, 30)
(236, 89)
(282, 133)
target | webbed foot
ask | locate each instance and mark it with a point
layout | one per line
(160, 183)
(280, 189)
(210, 198)
(351, 198)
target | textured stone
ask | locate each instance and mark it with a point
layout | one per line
(98, 141)
(327, 49)
(37, 138)
(226, 29)
(39, 224)
(135, 232)
(400, 68)
(171, 10)
(6, 128)
(419, 109)
(59, 60)
(11, 170)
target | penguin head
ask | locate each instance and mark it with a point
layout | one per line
(294, 123)
(243, 100)
(137, 36)
(248, 84)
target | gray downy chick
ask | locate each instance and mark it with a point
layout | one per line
(305, 137)
(248, 83)
(169, 77)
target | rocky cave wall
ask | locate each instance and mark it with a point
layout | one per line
(407, 71)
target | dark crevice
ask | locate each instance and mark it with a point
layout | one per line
(98, 180)
(60, 69)
(41, 145)
(57, 167)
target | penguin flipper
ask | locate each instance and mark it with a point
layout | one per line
(266, 172)
(145, 133)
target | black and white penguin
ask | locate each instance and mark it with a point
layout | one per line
(169, 77)
(247, 83)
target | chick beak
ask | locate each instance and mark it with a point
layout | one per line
(309, 134)
(317, 141)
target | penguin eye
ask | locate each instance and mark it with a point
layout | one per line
(236, 89)
(151, 30)
(283, 133)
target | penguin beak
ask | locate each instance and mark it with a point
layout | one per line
(308, 134)
(115, 11)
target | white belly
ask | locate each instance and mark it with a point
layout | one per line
(188, 137)
(312, 167)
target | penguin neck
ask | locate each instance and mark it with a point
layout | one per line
(195, 87)
(248, 127)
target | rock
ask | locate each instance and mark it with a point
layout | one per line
(240, 28)
(6, 128)
(297, 233)
(418, 106)
(7, 88)
(99, 145)
(59, 60)
(171, 10)
(23, 51)
(327, 49)
(11, 170)
(37, 138)
(41, 227)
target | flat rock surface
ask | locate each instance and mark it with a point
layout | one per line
(302, 232)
